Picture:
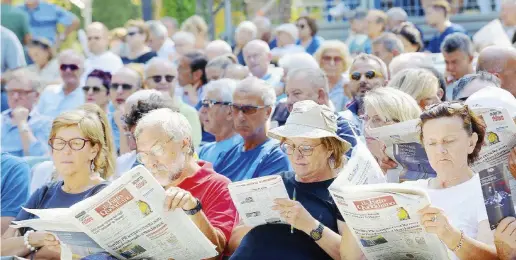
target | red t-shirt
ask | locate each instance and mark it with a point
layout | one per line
(211, 189)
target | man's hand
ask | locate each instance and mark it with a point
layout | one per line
(20, 115)
(505, 239)
(179, 198)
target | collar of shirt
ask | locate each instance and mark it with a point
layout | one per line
(267, 76)
(198, 177)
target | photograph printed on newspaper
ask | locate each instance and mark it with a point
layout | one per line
(383, 219)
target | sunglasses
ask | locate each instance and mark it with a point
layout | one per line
(335, 59)
(95, 89)
(96, 38)
(40, 44)
(115, 86)
(209, 103)
(369, 75)
(72, 67)
(159, 78)
(132, 33)
(246, 109)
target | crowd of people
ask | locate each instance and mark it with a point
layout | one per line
(200, 114)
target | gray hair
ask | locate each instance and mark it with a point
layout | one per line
(458, 42)
(249, 26)
(73, 53)
(158, 29)
(158, 61)
(174, 124)
(397, 14)
(463, 82)
(224, 87)
(188, 36)
(221, 62)
(24, 75)
(298, 61)
(390, 42)
(139, 95)
(260, 87)
(219, 45)
(315, 77)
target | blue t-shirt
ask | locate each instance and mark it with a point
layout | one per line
(265, 159)
(142, 59)
(314, 44)
(53, 196)
(210, 152)
(434, 45)
(274, 241)
(15, 184)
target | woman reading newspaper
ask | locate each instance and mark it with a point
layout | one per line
(315, 151)
(83, 155)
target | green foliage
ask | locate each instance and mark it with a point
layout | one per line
(179, 9)
(112, 13)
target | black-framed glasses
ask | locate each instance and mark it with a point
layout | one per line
(125, 87)
(72, 67)
(91, 38)
(157, 150)
(75, 144)
(159, 78)
(209, 103)
(305, 150)
(368, 74)
(246, 109)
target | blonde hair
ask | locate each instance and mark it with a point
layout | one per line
(419, 83)
(140, 24)
(392, 104)
(195, 25)
(140, 71)
(93, 124)
(336, 45)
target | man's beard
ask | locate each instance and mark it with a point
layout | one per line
(172, 171)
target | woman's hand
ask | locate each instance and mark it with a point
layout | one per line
(435, 221)
(295, 214)
(40, 239)
(505, 238)
(49, 253)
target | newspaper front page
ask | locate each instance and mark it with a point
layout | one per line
(404, 147)
(492, 164)
(254, 198)
(383, 219)
(127, 219)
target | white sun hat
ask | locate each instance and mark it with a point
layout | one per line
(309, 120)
(493, 97)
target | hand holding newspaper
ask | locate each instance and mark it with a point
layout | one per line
(254, 199)
(383, 219)
(126, 219)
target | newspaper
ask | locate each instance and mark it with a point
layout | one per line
(362, 168)
(404, 147)
(127, 219)
(384, 220)
(492, 164)
(492, 33)
(254, 198)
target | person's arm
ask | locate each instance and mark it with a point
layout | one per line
(505, 239)
(236, 237)
(15, 192)
(349, 248)
(26, 29)
(68, 19)
(512, 162)
(6, 221)
(30, 144)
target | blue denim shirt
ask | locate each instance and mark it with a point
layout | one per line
(11, 140)
(15, 184)
(44, 19)
(314, 44)
(53, 101)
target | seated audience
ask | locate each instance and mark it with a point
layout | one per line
(396, 16)
(500, 61)
(376, 23)
(45, 66)
(100, 57)
(387, 46)
(437, 15)
(164, 146)
(287, 36)
(137, 35)
(257, 155)
(245, 32)
(410, 36)
(308, 37)
(192, 77)
(217, 48)
(25, 131)
(184, 43)
(471, 83)
(458, 53)
(420, 84)
(96, 90)
(216, 67)
(236, 72)
(408, 61)
(258, 57)
(197, 26)
(158, 40)
(15, 188)
(315, 150)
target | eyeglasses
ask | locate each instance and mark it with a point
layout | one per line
(95, 89)
(159, 78)
(96, 38)
(132, 33)
(335, 59)
(40, 44)
(125, 87)
(75, 144)
(246, 109)
(300, 26)
(369, 75)
(305, 150)
(209, 103)
(157, 150)
(376, 121)
(11, 92)
(72, 67)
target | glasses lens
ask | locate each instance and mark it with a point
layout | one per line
(71, 67)
(131, 33)
(127, 87)
(86, 89)
(77, 143)
(96, 89)
(287, 148)
(370, 74)
(169, 78)
(306, 150)
(156, 79)
(249, 110)
(356, 76)
(326, 58)
(205, 103)
(57, 144)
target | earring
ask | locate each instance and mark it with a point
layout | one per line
(331, 162)
(92, 166)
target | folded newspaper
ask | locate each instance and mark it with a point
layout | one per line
(254, 198)
(384, 221)
(492, 164)
(404, 147)
(362, 168)
(126, 219)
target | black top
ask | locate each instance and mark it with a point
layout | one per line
(142, 59)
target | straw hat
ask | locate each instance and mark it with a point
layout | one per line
(309, 120)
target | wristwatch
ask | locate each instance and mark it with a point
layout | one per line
(196, 209)
(316, 233)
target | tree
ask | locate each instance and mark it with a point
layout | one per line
(179, 9)
(112, 13)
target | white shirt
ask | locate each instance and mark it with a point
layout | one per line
(106, 61)
(167, 49)
(463, 204)
(287, 49)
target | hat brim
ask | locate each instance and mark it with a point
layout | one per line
(302, 131)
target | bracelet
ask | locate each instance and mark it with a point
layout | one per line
(461, 241)
(26, 241)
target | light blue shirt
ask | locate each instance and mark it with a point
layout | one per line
(210, 152)
(11, 140)
(114, 128)
(53, 101)
(44, 18)
(15, 184)
(13, 56)
(338, 97)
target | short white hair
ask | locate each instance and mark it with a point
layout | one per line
(158, 29)
(182, 35)
(224, 87)
(174, 124)
(140, 95)
(259, 87)
(397, 14)
(219, 46)
(315, 78)
(159, 61)
(248, 25)
(301, 60)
